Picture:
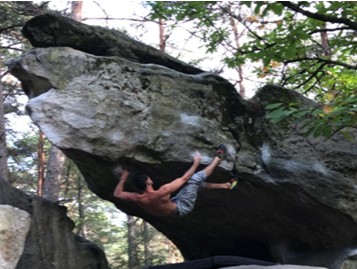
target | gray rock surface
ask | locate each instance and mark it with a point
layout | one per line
(14, 226)
(295, 201)
(50, 242)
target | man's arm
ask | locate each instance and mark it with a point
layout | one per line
(179, 182)
(119, 190)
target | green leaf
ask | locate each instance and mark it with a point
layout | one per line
(277, 8)
(290, 51)
(274, 106)
(300, 114)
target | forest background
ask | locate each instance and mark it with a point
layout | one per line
(306, 46)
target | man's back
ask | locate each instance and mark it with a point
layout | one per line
(157, 204)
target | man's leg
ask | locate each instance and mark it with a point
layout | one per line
(186, 197)
(219, 156)
(210, 168)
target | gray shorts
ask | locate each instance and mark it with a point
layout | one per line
(186, 197)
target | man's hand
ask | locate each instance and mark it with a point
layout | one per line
(197, 158)
(119, 189)
(124, 174)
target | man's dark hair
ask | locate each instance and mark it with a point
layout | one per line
(139, 181)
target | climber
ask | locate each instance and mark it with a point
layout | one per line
(159, 202)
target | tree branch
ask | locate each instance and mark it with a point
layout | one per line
(312, 75)
(10, 27)
(240, 19)
(326, 61)
(329, 30)
(338, 130)
(317, 16)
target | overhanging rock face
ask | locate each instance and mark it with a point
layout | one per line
(295, 201)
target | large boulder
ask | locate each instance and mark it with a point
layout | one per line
(14, 226)
(295, 201)
(37, 234)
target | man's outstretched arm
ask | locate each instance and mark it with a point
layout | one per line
(119, 190)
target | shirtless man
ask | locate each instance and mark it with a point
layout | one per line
(159, 202)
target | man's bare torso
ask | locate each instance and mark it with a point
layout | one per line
(156, 204)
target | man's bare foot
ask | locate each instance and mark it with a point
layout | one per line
(233, 184)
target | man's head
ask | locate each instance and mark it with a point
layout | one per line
(139, 180)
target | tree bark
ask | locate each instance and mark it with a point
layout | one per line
(239, 68)
(55, 165)
(324, 41)
(162, 39)
(76, 10)
(146, 243)
(132, 251)
(4, 174)
(41, 163)
(82, 231)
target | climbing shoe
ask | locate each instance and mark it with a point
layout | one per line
(234, 183)
(221, 151)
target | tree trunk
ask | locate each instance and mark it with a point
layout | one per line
(52, 184)
(324, 41)
(162, 39)
(4, 174)
(81, 222)
(239, 69)
(40, 163)
(132, 251)
(146, 242)
(76, 14)
(76, 10)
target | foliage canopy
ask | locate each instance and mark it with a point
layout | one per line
(306, 46)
